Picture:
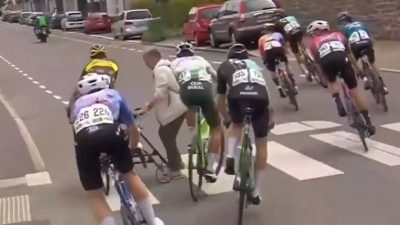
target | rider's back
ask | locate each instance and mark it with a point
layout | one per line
(188, 63)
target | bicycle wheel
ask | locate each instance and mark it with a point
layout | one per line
(195, 188)
(244, 169)
(242, 203)
(105, 176)
(221, 154)
(129, 212)
(290, 92)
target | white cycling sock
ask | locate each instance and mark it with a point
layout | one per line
(212, 160)
(147, 211)
(236, 156)
(258, 181)
(232, 143)
(192, 134)
(108, 221)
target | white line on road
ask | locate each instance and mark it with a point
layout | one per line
(216, 62)
(25, 75)
(392, 126)
(33, 179)
(32, 148)
(132, 49)
(49, 92)
(296, 164)
(57, 97)
(65, 102)
(296, 127)
(385, 154)
(140, 50)
(30, 78)
(16, 68)
(36, 82)
(389, 70)
(15, 209)
(101, 36)
(42, 87)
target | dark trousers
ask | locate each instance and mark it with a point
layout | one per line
(168, 135)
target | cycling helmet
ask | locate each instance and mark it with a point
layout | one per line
(184, 46)
(268, 28)
(96, 49)
(93, 82)
(238, 51)
(317, 25)
(344, 17)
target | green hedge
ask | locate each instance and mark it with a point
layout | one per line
(174, 13)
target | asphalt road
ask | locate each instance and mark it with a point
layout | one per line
(318, 173)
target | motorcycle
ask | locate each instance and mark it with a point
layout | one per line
(42, 34)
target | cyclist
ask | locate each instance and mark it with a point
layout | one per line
(41, 21)
(360, 40)
(292, 31)
(247, 88)
(195, 75)
(272, 48)
(99, 64)
(333, 55)
(97, 116)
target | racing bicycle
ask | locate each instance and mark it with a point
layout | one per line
(356, 120)
(198, 156)
(130, 212)
(244, 179)
(287, 83)
(376, 86)
(311, 67)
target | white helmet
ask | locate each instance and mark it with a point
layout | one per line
(93, 81)
(317, 25)
(184, 46)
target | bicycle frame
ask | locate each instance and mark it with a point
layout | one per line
(245, 154)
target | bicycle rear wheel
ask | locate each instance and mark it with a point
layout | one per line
(221, 154)
(242, 203)
(105, 176)
(377, 86)
(196, 184)
(291, 93)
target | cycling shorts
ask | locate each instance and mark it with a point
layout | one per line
(367, 46)
(273, 54)
(259, 117)
(199, 93)
(337, 63)
(294, 40)
(90, 143)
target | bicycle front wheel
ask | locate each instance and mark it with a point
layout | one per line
(221, 154)
(291, 93)
(242, 203)
(195, 184)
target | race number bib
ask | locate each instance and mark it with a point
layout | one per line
(329, 47)
(93, 115)
(248, 76)
(358, 36)
(199, 74)
(271, 44)
(291, 25)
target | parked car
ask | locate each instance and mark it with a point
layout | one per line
(14, 17)
(30, 21)
(97, 22)
(241, 21)
(23, 17)
(56, 19)
(5, 15)
(131, 23)
(72, 20)
(197, 26)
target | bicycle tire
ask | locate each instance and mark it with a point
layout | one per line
(195, 190)
(242, 202)
(361, 133)
(127, 215)
(106, 182)
(221, 154)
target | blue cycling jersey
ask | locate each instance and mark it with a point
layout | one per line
(112, 100)
(356, 32)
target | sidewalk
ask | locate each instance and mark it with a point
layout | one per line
(387, 52)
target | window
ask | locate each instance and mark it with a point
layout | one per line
(137, 15)
(209, 13)
(232, 7)
(257, 5)
(121, 16)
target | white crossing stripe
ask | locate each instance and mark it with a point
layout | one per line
(380, 152)
(392, 126)
(114, 201)
(15, 209)
(223, 184)
(296, 127)
(296, 164)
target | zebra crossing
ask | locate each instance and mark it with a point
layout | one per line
(301, 166)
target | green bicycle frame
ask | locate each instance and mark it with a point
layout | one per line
(203, 134)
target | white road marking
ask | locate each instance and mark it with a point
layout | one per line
(15, 209)
(223, 184)
(12, 182)
(140, 50)
(291, 127)
(383, 153)
(36, 179)
(65, 102)
(132, 49)
(114, 201)
(296, 164)
(389, 70)
(25, 75)
(321, 124)
(30, 78)
(30, 143)
(36, 82)
(103, 37)
(392, 126)
(42, 87)
(16, 68)
(20, 71)
(216, 62)
(57, 97)
(49, 92)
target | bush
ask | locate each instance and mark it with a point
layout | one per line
(174, 13)
(155, 32)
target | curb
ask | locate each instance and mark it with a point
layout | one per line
(203, 49)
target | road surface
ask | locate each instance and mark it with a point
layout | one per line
(318, 173)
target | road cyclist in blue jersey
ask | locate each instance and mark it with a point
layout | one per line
(97, 116)
(360, 39)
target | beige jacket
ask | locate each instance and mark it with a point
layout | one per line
(168, 105)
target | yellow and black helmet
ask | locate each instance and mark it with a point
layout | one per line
(96, 49)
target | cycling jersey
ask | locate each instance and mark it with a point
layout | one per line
(102, 66)
(195, 75)
(102, 107)
(269, 41)
(328, 43)
(289, 25)
(356, 32)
